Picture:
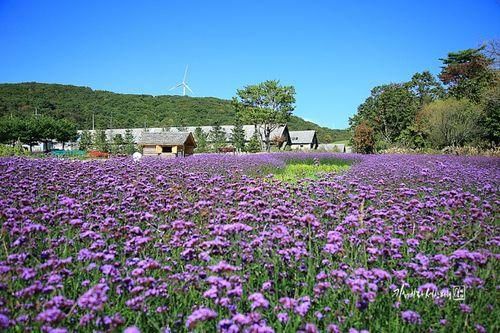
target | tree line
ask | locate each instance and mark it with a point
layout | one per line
(89, 109)
(216, 139)
(460, 107)
(116, 145)
(35, 129)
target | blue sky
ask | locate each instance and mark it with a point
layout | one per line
(333, 52)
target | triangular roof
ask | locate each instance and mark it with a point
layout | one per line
(301, 137)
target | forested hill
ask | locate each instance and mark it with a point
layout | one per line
(128, 110)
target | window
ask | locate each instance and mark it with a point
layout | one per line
(166, 149)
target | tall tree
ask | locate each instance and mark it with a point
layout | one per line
(490, 122)
(218, 137)
(85, 141)
(118, 144)
(129, 142)
(101, 141)
(467, 73)
(425, 87)
(10, 128)
(254, 145)
(201, 140)
(266, 105)
(364, 139)
(389, 110)
(30, 132)
(492, 51)
(451, 122)
(65, 131)
(238, 135)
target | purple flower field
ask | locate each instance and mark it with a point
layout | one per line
(215, 244)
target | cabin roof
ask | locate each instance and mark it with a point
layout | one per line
(165, 138)
(301, 137)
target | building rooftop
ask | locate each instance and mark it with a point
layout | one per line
(301, 137)
(164, 138)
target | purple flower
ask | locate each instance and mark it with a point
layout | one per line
(94, 298)
(50, 316)
(465, 308)
(332, 328)
(411, 317)
(428, 287)
(241, 319)
(480, 328)
(132, 329)
(58, 330)
(282, 317)
(199, 315)
(258, 301)
(303, 306)
(4, 321)
(223, 267)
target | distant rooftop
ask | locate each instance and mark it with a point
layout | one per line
(302, 137)
(164, 138)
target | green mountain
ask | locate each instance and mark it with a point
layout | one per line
(128, 110)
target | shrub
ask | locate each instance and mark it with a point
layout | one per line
(254, 145)
(17, 150)
(364, 140)
(451, 122)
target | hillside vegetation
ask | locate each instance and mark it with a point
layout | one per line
(129, 110)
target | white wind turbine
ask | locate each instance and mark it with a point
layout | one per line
(183, 84)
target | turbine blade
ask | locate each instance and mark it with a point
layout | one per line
(185, 73)
(188, 88)
(174, 87)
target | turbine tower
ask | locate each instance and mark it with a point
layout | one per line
(183, 84)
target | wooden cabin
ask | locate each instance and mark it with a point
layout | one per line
(167, 144)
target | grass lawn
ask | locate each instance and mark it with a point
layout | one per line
(295, 170)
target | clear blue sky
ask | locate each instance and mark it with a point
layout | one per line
(333, 52)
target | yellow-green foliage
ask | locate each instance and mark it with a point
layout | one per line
(294, 172)
(12, 151)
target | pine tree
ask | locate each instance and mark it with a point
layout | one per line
(101, 141)
(254, 145)
(218, 137)
(201, 140)
(118, 144)
(128, 143)
(85, 141)
(238, 136)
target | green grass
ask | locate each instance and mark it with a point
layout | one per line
(296, 170)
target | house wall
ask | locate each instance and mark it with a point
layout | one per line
(314, 144)
(188, 150)
(149, 150)
(305, 146)
(286, 136)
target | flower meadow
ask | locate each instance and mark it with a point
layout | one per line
(214, 243)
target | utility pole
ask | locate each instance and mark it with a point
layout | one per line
(93, 121)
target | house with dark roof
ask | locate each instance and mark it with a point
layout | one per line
(167, 144)
(304, 139)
